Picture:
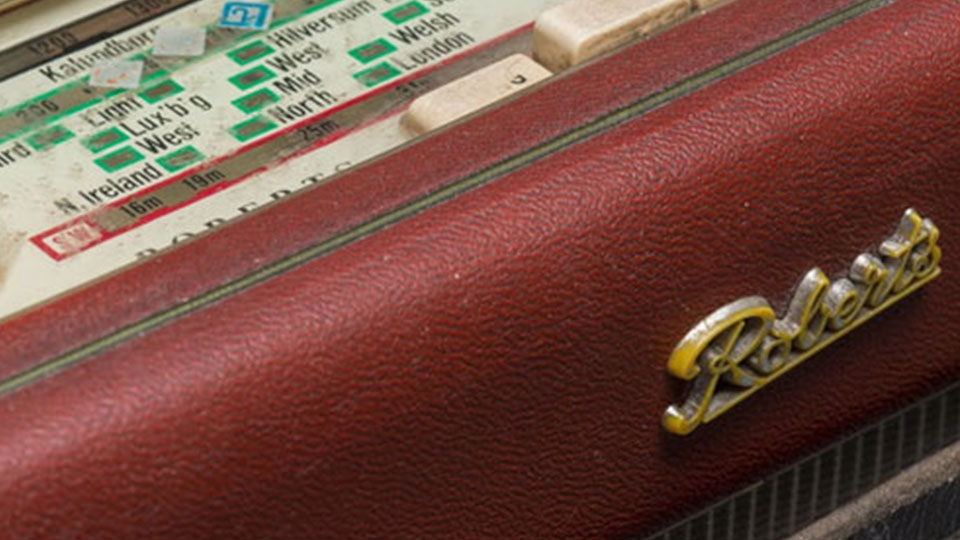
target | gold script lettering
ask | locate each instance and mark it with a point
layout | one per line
(742, 346)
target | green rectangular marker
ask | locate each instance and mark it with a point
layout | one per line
(49, 137)
(252, 103)
(40, 110)
(371, 51)
(105, 139)
(162, 91)
(377, 74)
(402, 14)
(250, 78)
(120, 159)
(180, 159)
(245, 131)
(250, 53)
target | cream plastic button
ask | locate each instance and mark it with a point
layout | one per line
(473, 92)
(579, 30)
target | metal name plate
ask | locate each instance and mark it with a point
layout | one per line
(742, 347)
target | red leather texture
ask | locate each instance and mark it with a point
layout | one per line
(403, 177)
(495, 366)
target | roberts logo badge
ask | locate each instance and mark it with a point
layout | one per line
(742, 346)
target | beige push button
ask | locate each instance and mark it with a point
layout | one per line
(472, 92)
(579, 30)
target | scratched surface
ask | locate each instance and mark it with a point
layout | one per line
(94, 179)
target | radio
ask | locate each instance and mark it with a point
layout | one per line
(452, 268)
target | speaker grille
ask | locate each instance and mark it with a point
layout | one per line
(786, 502)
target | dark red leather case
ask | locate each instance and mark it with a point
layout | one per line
(468, 338)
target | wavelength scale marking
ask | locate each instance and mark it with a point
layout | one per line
(291, 106)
